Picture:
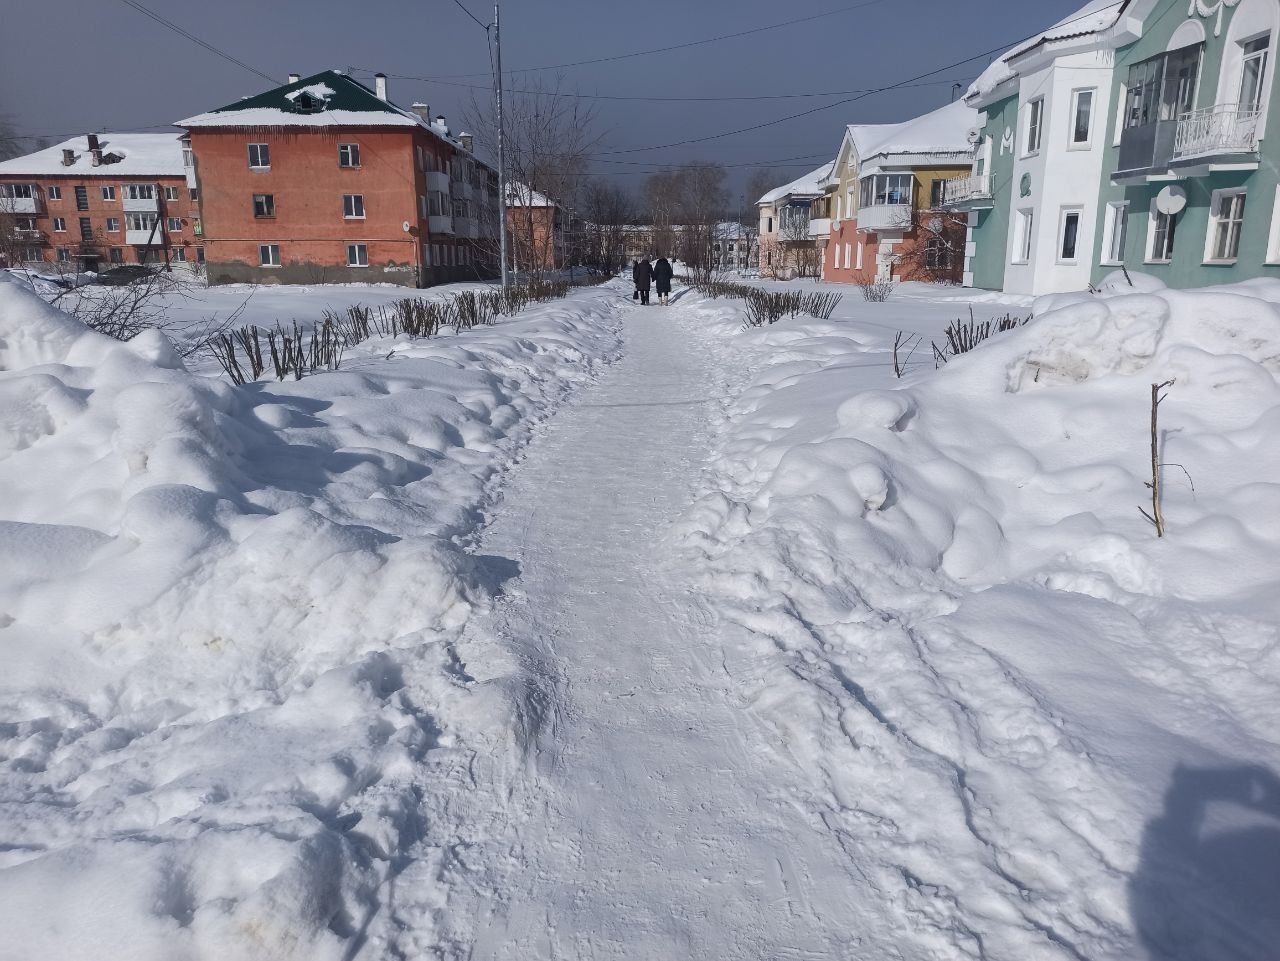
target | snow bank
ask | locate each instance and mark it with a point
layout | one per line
(229, 621)
(1039, 731)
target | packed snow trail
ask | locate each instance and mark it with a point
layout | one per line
(651, 821)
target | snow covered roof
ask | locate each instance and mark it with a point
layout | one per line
(328, 99)
(1094, 17)
(809, 185)
(140, 155)
(520, 195)
(942, 131)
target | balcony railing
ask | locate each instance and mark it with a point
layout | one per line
(974, 191)
(144, 238)
(20, 205)
(884, 217)
(820, 227)
(1221, 129)
(139, 205)
(28, 236)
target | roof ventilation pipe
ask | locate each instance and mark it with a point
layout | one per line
(380, 85)
(295, 77)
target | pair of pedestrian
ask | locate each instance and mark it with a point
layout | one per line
(646, 275)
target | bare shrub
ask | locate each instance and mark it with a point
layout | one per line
(876, 290)
(963, 336)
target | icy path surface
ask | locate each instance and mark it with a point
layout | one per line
(651, 820)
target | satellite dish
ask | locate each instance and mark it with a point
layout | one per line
(405, 226)
(975, 135)
(1171, 200)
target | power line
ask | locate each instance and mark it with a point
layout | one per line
(482, 26)
(194, 39)
(678, 46)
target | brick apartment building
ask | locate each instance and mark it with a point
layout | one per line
(99, 200)
(323, 180)
(537, 230)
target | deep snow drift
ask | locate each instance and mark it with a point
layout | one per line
(1037, 730)
(227, 620)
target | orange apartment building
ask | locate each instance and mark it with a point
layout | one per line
(323, 180)
(536, 230)
(101, 200)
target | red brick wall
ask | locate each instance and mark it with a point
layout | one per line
(100, 210)
(532, 236)
(847, 233)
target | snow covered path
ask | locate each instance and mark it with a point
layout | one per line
(651, 822)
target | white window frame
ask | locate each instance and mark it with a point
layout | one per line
(1076, 96)
(18, 191)
(108, 192)
(349, 156)
(170, 193)
(1063, 214)
(173, 225)
(426, 255)
(1216, 221)
(1116, 228)
(141, 220)
(113, 225)
(268, 203)
(139, 191)
(268, 255)
(1265, 56)
(857, 253)
(1034, 108)
(64, 255)
(53, 193)
(353, 206)
(1273, 235)
(179, 254)
(357, 255)
(1152, 224)
(1024, 236)
(257, 153)
(60, 225)
(115, 255)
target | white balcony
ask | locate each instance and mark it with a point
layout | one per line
(1212, 131)
(144, 238)
(437, 182)
(20, 205)
(967, 193)
(22, 233)
(884, 217)
(820, 227)
(140, 205)
(191, 177)
(440, 225)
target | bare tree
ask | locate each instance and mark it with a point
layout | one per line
(703, 201)
(549, 136)
(606, 209)
(933, 246)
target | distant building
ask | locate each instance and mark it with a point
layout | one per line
(786, 248)
(537, 230)
(733, 247)
(98, 200)
(324, 180)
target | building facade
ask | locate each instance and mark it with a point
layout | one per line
(1191, 186)
(537, 231)
(786, 248)
(101, 200)
(323, 180)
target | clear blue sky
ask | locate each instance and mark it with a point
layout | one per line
(98, 63)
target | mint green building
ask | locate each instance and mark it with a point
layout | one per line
(1190, 181)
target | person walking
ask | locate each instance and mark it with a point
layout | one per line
(662, 274)
(642, 274)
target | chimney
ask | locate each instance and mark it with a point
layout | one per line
(441, 124)
(295, 77)
(68, 156)
(380, 85)
(423, 111)
(467, 140)
(93, 141)
(97, 157)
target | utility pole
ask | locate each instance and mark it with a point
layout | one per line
(502, 155)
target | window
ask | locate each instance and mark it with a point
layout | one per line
(264, 205)
(426, 255)
(174, 224)
(199, 255)
(82, 197)
(113, 224)
(269, 255)
(1225, 223)
(886, 189)
(349, 154)
(857, 249)
(935, 194)
(25, 223)
(937, 255)
(1117, 232)
(139, 191)
(188, 158)
(353, 206)
(1022, 247)
(86, 229)
(769, 230)
(1069, 235)
(1163, 87)
(64, 255)
(195, 194)
(260, 159)
(180, 254)
(1163, 227)
(109, 193)
(357, 255)
(54, 193)
(170, 193)
(60, 224)
(1253, 73)
(1034, 127)
(438, 204)
(116, 255)
(422, 163)
(1081, 118)
(17, 191)
(32, 255)
(141, 221)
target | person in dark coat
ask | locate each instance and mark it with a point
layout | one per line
(642, 274)
(662, 274)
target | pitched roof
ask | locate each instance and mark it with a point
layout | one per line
(941, 131)
(328, 99)
(140, 155)
(1094, 17)
(517, 194)
(808, 185)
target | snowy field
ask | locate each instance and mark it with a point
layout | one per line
(621, 632)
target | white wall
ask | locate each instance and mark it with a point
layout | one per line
(1061, 175)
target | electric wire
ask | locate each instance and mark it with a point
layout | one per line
(147, 12)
